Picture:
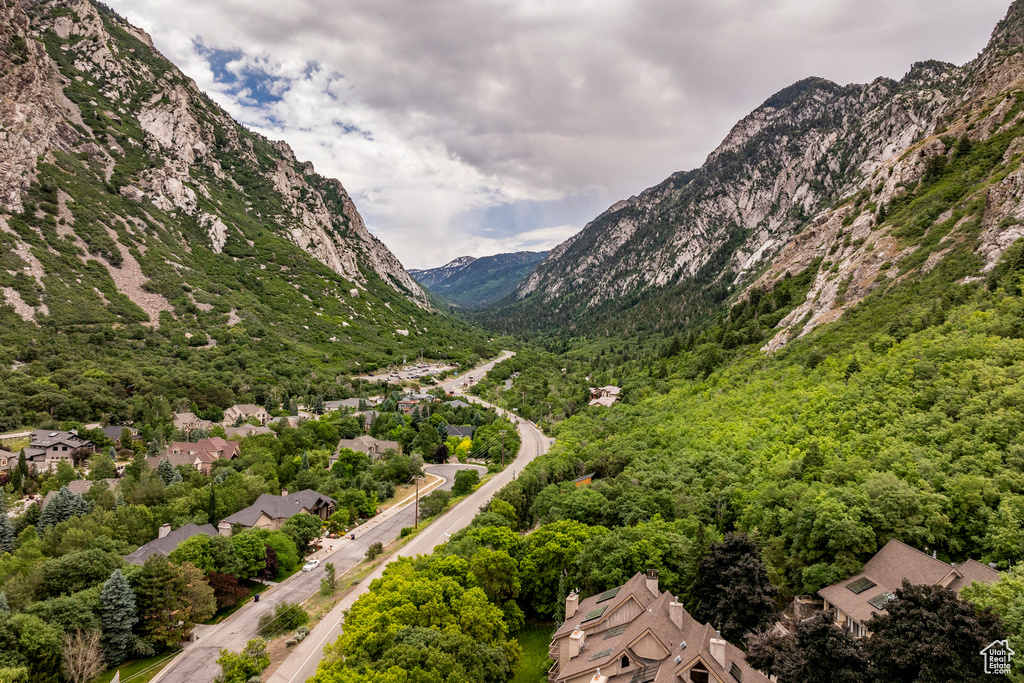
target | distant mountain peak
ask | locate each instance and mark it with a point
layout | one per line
(476, 282)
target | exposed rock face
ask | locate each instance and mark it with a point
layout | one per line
(761, 205)
(78, 80)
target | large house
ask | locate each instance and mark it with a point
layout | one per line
(637, 633)
(270, 512)
(854, 601)
(81, 487)
(246, 411)
(349, 403)
(247, 430)
(168, 540)
(188, 422)
(47, 448)
(375, 448)
(200, 455)
(604, 396)
(459, 432)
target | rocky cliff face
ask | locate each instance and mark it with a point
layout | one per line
(802, 177)
(109, 155)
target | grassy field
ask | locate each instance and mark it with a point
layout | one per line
(139, 671)
(534, 638)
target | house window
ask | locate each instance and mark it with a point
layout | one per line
(624, 664)
(699, 675)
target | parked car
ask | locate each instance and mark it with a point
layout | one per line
(311, 565)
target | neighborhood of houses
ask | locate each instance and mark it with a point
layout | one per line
(636, 632)
(604, 396)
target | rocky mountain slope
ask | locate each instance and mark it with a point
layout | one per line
(129, 199)
(803, 177)
(474, 282)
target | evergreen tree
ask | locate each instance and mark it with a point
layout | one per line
(211, 506)
(318, 406)
(112, 452)
(269, 405)
(161, 600)
(134, 470)
(154, 448)
(117, 616)
(305, 460)
(119, 500)
(732, 591)
(61, 507)
(20, 473)
(7, 535)
(4, 607)
(166, 471)
(817, 651)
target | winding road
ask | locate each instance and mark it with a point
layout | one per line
(197, 663)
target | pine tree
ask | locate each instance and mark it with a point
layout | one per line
(20, 473)
(4, 607)
(269, 405)
(112, 452)
(318, 406)
(732, 590)
(119, 500)
(117, 616)
(63, 506)
(165, 470)
(7, 535)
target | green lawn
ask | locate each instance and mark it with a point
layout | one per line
(139, 671)
(534, 638)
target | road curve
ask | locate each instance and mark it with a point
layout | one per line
(302, 662)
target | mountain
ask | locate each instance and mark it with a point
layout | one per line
(475, 282)
(139, 221)
(860, 176)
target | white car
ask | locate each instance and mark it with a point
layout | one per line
(311, 565)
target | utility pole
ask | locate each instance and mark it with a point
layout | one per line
(502, 432)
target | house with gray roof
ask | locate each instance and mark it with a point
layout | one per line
(635, 633)
(348, 403)
(47, 448)
(168, 540)
(270, 512)
(375, 448)
(460, 432)
(854, 601)
(80, 486)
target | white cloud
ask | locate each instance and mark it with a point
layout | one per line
(433, 112)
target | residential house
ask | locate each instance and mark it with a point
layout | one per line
(189, 422)
(168, 540)
(8, 460)
(460, 432)
(47, 448)
(369, 417)
(246, 411)
(247, 430)
(407, 405)
(375, 448)
(604, 396)
(854, 601)
(113, 432)
(201, 455)
(270, 512)
(635, 633)
(348, 403)
(81, 487)
(604, 401)
(457, 404)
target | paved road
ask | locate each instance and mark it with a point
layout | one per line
(455, 383)
(198, 661)
(302, 662)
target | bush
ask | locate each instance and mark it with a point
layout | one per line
(406, 530)
(285, 617)
(465, 482)
(435, 503)
(374, 551)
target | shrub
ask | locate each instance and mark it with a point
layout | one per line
(406, 530)
(374, 551)
(465, 481)
(286, 617)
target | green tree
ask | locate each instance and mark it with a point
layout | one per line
(497, 573)
(465, 481)
(7, 535)
(250, 553)
(318, 405)
(64, 505)
(27, 641)
(101, 466)
(547, 554)
(196, 550)
(118, 617)
(243, 666)
(303, 529)
(329, 583)
(434, 503)
(165, 615)
(732, 590)
(77, 571)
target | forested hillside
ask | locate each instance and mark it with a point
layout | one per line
(476, 282)
(150, 240)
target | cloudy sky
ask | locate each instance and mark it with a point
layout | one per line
(481, 126)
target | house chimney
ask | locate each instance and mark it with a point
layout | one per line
(576, 642)
(717, 647)
(675, 613)
(652, 581)
(572, 601)
(164, 530)
(598, 678)
(224, 529)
